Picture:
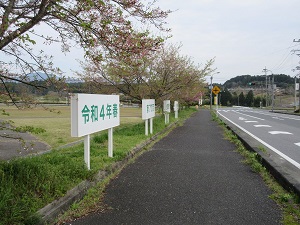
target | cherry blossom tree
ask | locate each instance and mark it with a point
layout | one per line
(175, 76)
(160, 74)
(100, 27)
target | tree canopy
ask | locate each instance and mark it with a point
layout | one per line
(161, 74)
(101, 28)
(281, 80)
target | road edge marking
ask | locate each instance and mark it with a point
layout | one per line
(296, 164)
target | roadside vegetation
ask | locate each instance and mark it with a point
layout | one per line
(28, 184)
(289, 202)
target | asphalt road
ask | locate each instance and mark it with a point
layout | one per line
(192, 176)
(278, 132)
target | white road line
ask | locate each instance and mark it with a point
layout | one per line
(250, 116)
(250, 121)
(241, 118)
(272, 114)
(266, 144)
(262, 126)
(290, 118)
(277, 118)
(298, 144)
(279, 132)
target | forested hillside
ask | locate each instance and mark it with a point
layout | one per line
(281, 80)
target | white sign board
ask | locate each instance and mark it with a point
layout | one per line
(167, 106)
(297, 86)
(148, 108)
(176, 106)
(92, 113)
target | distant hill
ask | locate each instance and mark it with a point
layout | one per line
(281, 80)
(41, 76)
(37, 76)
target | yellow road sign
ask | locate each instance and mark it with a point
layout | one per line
(216, 90)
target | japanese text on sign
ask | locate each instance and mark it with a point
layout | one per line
(167, 108)
(93, 113)
(148, 108)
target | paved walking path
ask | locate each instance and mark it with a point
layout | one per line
(192, 176)
(16, 144)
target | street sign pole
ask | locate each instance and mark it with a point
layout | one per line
(217, 101)
(216, 91)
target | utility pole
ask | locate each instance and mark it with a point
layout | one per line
(295, 93)
(297, 68)
(295, 97)
(210, 92)
(265, 70)
(299, 94)
(272, 92)
(267, 89)
(298, 91)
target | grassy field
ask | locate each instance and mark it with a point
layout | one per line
(56, 120)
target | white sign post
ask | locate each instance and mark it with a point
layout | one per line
(176, 108)
(167, 110)
(87, 151)
(92, 113)
(148, 112)
(200, 100)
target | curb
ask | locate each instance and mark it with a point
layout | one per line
(50, 212)
(280, 169)
(287, 113)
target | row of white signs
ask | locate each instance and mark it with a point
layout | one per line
(148, 108)
(91, 113)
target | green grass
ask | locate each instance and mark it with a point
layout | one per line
(28, 184)
(91, 202)
(288, 202)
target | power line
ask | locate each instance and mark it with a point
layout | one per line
(282, 65)
(282, 62)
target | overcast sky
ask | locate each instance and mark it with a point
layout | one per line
(244, 36)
